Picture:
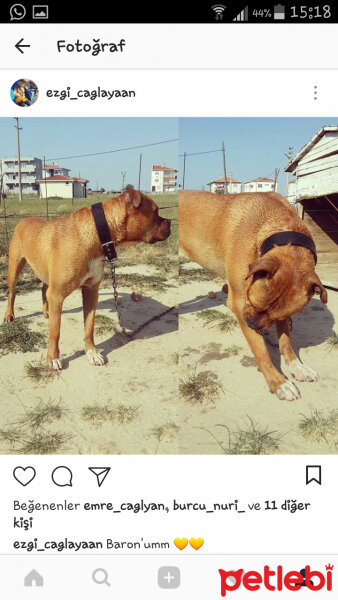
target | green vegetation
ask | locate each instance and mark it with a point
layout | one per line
(200, 388)
(251, 439)
(318, 427)
(97, 414)
(17, 337)
(222, 321)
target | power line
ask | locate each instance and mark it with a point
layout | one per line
(112, 151)
(197, 153)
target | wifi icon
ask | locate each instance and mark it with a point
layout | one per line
(219, 10)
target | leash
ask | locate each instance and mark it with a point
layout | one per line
(109, 251)
(134, 332)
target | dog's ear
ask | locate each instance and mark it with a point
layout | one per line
(264, 267)
(133, 197)
(316, 287)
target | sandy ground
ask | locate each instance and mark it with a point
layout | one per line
(142, 374)
(202, 347)
(139, 373)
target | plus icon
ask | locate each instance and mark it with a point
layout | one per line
(169, 578)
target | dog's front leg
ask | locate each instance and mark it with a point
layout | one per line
(300, 371)
(277, 383)
(55, 302)
(89, 299)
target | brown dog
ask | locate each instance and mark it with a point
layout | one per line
(225, 235)
(66, 254)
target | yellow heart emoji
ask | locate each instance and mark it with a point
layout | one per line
(181, 543)
(196, 544)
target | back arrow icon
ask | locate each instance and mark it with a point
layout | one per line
(19, 45)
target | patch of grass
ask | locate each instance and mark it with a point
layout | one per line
(252, 439)
(318, 427)
(332, 342)
(43, 443)
(42, 414)
(28, 435)
(232, 351)
(165, 432)
(104, 325)
(175, 358)
(193, 275)
(26, 283)
(199, 388)
(97, 414)
(11, 435)
(156, 281)
(40, 371)
(222, 321)
(17, 337)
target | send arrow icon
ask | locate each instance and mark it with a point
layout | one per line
(101, 473)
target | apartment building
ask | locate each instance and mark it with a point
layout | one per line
(31, 171)
(163, 179)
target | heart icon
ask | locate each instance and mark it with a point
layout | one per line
(181, 543)
(24, 475)
(196, 544)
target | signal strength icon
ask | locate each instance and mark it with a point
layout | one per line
(243, 15)
(219, 10)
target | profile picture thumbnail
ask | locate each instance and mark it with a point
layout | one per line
(24, 92)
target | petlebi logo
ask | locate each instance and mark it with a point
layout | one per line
(276, 579)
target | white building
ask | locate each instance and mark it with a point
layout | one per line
(62, 186)
(315, 166)
(31, 171)
(234, 186)
(261, 184)
(163, 179)
(54, 169)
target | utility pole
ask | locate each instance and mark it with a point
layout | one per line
(289, 157)
(225, 191)
(46, 194)
(19, 159)
(139, 173)
(276, 177)
(185, 154)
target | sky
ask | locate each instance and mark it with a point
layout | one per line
(57, 138)
(254, 147)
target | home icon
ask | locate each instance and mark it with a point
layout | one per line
(33, 579)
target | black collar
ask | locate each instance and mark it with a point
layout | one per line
(289, 237)
(108, 245)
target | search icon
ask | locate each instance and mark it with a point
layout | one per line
(100, 576)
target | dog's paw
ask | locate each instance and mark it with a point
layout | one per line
(302, 372)
(56, 364)
(288, 391)
(95, 357)
(8, 318)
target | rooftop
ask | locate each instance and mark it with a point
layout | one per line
(221, 180)
(327, 128)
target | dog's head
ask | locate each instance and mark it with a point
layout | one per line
(143, 223)
(278, 289)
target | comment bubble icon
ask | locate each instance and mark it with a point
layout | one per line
(62, 477)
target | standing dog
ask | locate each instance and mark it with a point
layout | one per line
(225, 234)
(66, 254)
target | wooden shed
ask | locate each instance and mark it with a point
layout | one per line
(315, 189)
